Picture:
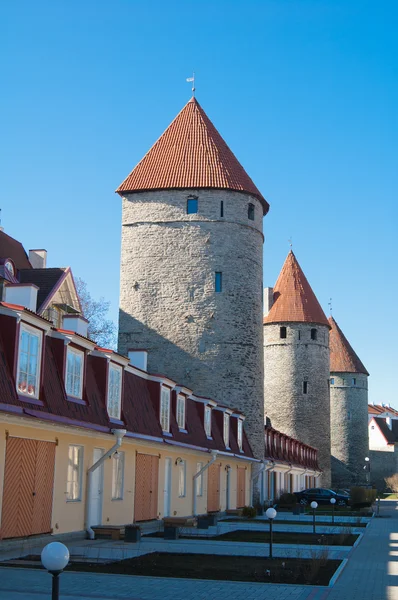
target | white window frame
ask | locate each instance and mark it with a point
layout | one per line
(39, 334)
(114, 405)
(182, 479)
(207, 421)
(80, 353)
(71, 495)
(164, 409)
(118, 472)
(240, 434)
(226, 426)
(180, 410)
(199, 480)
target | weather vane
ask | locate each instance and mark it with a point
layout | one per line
(192, 80)
(290, 242)
(330, 305)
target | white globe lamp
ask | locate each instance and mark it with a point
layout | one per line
(55, 557)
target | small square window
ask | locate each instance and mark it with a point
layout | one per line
(218, 282)
(192, 206)
(332, 380)
(74, 372)
(314, 334)
(250, 211)
(282, 332)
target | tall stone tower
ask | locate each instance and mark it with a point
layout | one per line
(296, 362)
(192, 267)
(348, 411)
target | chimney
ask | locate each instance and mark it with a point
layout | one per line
(24, 294)
(138, 358)
(76, 323)
(389, 422)
(38, 258)
(268, 300)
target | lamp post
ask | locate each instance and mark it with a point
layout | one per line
(314, 506)
(333, 502)
(270, 514)
(367, 467)
(55, 557)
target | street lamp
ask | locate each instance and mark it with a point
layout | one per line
(55, 557)
(332, 502)
(367, 467)
(314, 506)
(270, 514)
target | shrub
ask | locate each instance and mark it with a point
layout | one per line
(249, 511)
(362, 496)
(392, 482)
(287, 500)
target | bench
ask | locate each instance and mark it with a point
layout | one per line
(234, 512)
(113, 532)
(173, 525)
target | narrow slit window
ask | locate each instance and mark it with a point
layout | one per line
(332, 381)
(218, 282)
(282, 333)
(250, 211)
(192, 206)
(305, 387)
(354, 381)
(314, 334)
(222, 208)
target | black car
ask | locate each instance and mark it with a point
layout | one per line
(321, 496)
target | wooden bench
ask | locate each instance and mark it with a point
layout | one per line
(173, 526)
(234, 512)
(113, 532)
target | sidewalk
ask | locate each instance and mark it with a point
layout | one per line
(369, 575)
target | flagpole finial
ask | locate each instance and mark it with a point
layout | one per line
(192, 80)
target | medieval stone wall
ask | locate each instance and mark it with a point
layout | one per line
(211, 342)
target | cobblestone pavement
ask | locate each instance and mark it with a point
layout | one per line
(369, 575)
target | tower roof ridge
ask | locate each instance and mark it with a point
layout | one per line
(343, 358)
(294, 299)
(190, 154)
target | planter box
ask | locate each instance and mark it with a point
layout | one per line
(203, 522)
(212, 518)
(132, 533)
(171, 533)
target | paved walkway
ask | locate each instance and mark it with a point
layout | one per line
(369, 575)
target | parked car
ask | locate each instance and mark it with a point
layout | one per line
(322, 496)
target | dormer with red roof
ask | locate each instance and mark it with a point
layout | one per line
(349, 410)
(296, 362)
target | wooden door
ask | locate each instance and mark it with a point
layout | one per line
(213, 488)
(28, 488)
(241, 488)
(146, 487)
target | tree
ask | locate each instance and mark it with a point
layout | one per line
(392, 482)
(100, 329)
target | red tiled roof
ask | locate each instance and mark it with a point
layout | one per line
(342, 356)
(294, 300)
(190, 154)
(378, 409)
(10, 248)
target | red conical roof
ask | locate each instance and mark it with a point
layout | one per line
(342, 357)
(294, 300)
(190, 154)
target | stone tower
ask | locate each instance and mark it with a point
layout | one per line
(348, 411)
(296, 362)
(192, 267)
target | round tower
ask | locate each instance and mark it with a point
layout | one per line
(191, 267)
(348, 411)
(296, 363)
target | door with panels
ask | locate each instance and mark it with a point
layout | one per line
(241, 487)
(28, 487)
(213, 488)
(146, 487)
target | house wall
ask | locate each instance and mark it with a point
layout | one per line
(377, 441)
(69, 516)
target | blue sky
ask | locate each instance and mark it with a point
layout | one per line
(305, 92)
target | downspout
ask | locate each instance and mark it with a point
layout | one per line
(198, 474)
(119, 434)
(254, 476)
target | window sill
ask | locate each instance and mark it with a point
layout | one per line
(116, 421)
(209, 437)
(77, 500)
(182, 430)
(117, 499)
(29, 399)
(167, 433)
(76, 400)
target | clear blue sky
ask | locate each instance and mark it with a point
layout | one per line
(305, 92)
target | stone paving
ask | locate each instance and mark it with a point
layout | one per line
(369, 575)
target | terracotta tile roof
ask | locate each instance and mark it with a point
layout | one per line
(10, 248)
(378, 409)
(294, 300)
(190, 154)
(45, 279)
(342, 356)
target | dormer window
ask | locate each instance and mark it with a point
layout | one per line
(226, 430)
(74, 372)
(165, 409)
(208, 421)
(114, 391)
(181, 411)
(28, 370)
(192, 206)
(240, 435)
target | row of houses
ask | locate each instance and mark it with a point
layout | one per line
(89, 437)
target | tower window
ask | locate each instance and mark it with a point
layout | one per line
(192, 206)
(222, 208)
(299, 334)
(305, 387)
(250, 211)
(218, 282)
(332, 380)
(282, 332)
(354, 381)
(314, 334)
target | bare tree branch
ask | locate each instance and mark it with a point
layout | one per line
(100, 329)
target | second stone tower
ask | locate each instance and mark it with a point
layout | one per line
(192, 267)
